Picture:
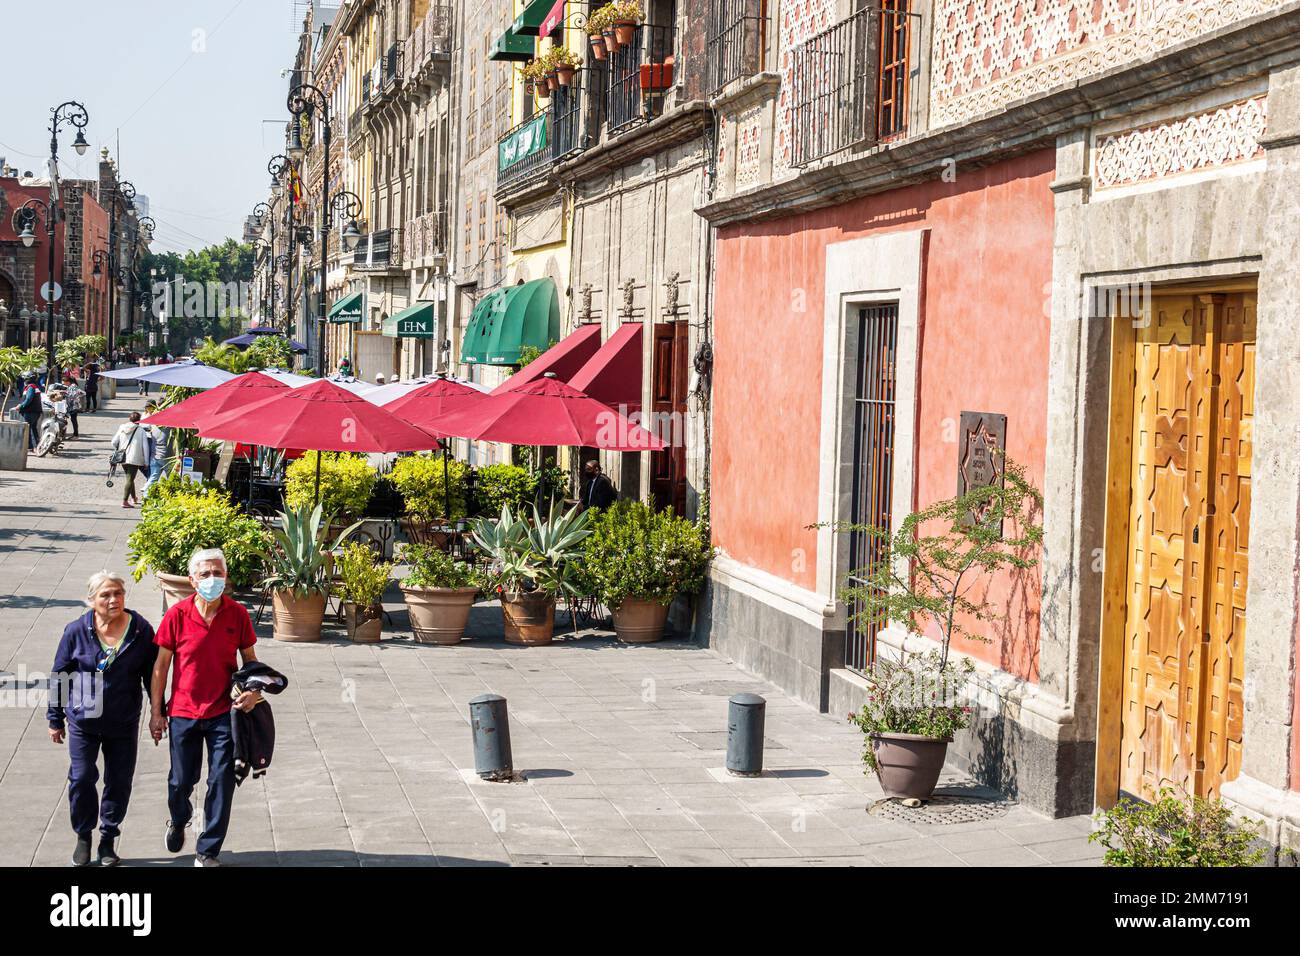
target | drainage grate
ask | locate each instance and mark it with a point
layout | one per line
(942, 809)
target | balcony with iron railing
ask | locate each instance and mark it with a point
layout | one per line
(551, 134)
(737, 40)
(429, 45)
(640, 74)
(849, 84)
(426, 236)
(380, 250)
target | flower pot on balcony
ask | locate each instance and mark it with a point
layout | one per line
(624, 30)
(611, 39)
(552, 82)
(564, 75)
(598, 46)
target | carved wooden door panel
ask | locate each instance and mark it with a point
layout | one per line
(1189, 514)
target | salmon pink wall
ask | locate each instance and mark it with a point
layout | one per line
(984, 347)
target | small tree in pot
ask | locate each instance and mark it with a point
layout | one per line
(300, 573)
(637, 560)
(439, 593)
(931, 576)
(532, 563)
(363, 578)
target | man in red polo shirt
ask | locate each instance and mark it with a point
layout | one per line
(199, 640)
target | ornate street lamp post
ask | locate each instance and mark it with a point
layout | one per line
(69, 112)
(302, 99)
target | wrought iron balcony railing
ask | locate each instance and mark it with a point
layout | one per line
(546, 137)
(379, 250)
(737, 40)
(391, 68)
(849, 83)
(640, 75)
(430, 40)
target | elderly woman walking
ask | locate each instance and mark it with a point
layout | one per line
(101, 672)
(135, 442)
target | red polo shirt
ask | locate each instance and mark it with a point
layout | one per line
(207, 655)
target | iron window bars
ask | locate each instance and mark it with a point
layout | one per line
(849, 83)
(564, 129)
(737, 39)
(640, 75)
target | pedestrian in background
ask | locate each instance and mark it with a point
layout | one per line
(199, 640)
(144, 385)
(134, 444)
(76, 399)
(92, 386)
(159, 458)
(600, 491)
(101, 671)
(29, 407)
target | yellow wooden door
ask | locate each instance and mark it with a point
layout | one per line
(1192, 407)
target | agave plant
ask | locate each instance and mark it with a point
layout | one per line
(537, 555)
(298, 560)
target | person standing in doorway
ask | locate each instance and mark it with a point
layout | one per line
(199, 640)
(600, 492)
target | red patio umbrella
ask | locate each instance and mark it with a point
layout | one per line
(427, 403)
(319, 417)
(240, 392)
(547, 412)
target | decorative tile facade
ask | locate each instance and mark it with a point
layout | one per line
(1215, 137)
(749, 136)
(800, 20)
(992, 52)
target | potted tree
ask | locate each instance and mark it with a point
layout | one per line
(427, 483)
(931, 577)
(299, 575)
(179, 518)
(531, 564)
(638, 560)
(439, 593)
(362, 580)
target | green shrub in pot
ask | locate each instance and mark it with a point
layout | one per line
(503, 486)
(177, 519)
(432, 567)
(420, 479)
(638, 559)
(346, 483)
(363, 577)
(439, 592)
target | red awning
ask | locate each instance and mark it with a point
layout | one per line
(613, 375)
(553, 19)
(564, 359)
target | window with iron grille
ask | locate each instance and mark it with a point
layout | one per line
(737, 39)
(873, 464)
(640, 74)
(849, 83)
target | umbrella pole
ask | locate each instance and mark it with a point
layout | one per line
(446, 488)
(317, 501)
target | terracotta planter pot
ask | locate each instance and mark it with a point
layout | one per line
(439, 615)
(611, 40)
(365, 624)
(564, 75)
(298, 619)
(638, 621)
(624, 30)
(529, 617)
(598, 46)
(908, 765)
(175, 588)
(552, 82)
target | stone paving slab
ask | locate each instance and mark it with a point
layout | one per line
(621, 748)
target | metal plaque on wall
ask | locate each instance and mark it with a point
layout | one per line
(980, 453)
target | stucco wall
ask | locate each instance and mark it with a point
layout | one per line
(984, 347)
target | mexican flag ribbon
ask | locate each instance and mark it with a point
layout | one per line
(295, 186)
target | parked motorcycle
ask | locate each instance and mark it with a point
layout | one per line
(53, 428)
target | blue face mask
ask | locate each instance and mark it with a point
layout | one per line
(211, 588)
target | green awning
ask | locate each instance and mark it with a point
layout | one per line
(529, 23)
(512, 46)
(420, 321)
(508, 319)
(350, 308)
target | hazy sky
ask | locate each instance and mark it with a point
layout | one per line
(184, 84)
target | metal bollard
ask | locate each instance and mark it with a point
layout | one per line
(745, 716)
(491, 728)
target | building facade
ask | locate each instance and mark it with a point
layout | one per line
(1066, 230)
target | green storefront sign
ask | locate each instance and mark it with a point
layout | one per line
(348, 309)
(420, 321)
(526, 141)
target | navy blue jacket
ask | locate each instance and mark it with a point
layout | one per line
(110, 708)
